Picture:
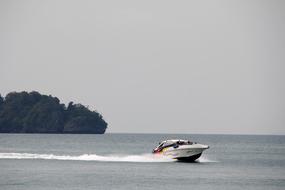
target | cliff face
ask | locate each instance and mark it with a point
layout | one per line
(36, 113)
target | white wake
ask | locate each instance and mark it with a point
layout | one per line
(95, 157)
(89, 157)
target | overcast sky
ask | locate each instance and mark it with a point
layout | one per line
(152, 66)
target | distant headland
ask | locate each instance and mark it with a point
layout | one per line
(23, 112)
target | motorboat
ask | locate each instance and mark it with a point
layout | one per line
(182, 150)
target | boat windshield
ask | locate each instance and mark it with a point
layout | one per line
(184, 142)
(172, 143)
(165, 144)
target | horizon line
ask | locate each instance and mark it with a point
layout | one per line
(195, 133)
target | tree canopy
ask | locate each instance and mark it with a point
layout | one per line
(23, 112)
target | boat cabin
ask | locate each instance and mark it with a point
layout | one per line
(171, 143)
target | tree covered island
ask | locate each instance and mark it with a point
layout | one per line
(33, 112)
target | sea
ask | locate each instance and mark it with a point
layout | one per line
(124, 161)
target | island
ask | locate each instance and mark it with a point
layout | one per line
(32, 112)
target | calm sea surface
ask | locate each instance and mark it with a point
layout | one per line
(122, 161)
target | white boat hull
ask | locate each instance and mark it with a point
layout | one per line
(185, 152)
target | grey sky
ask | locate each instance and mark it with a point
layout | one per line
(153, 66)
